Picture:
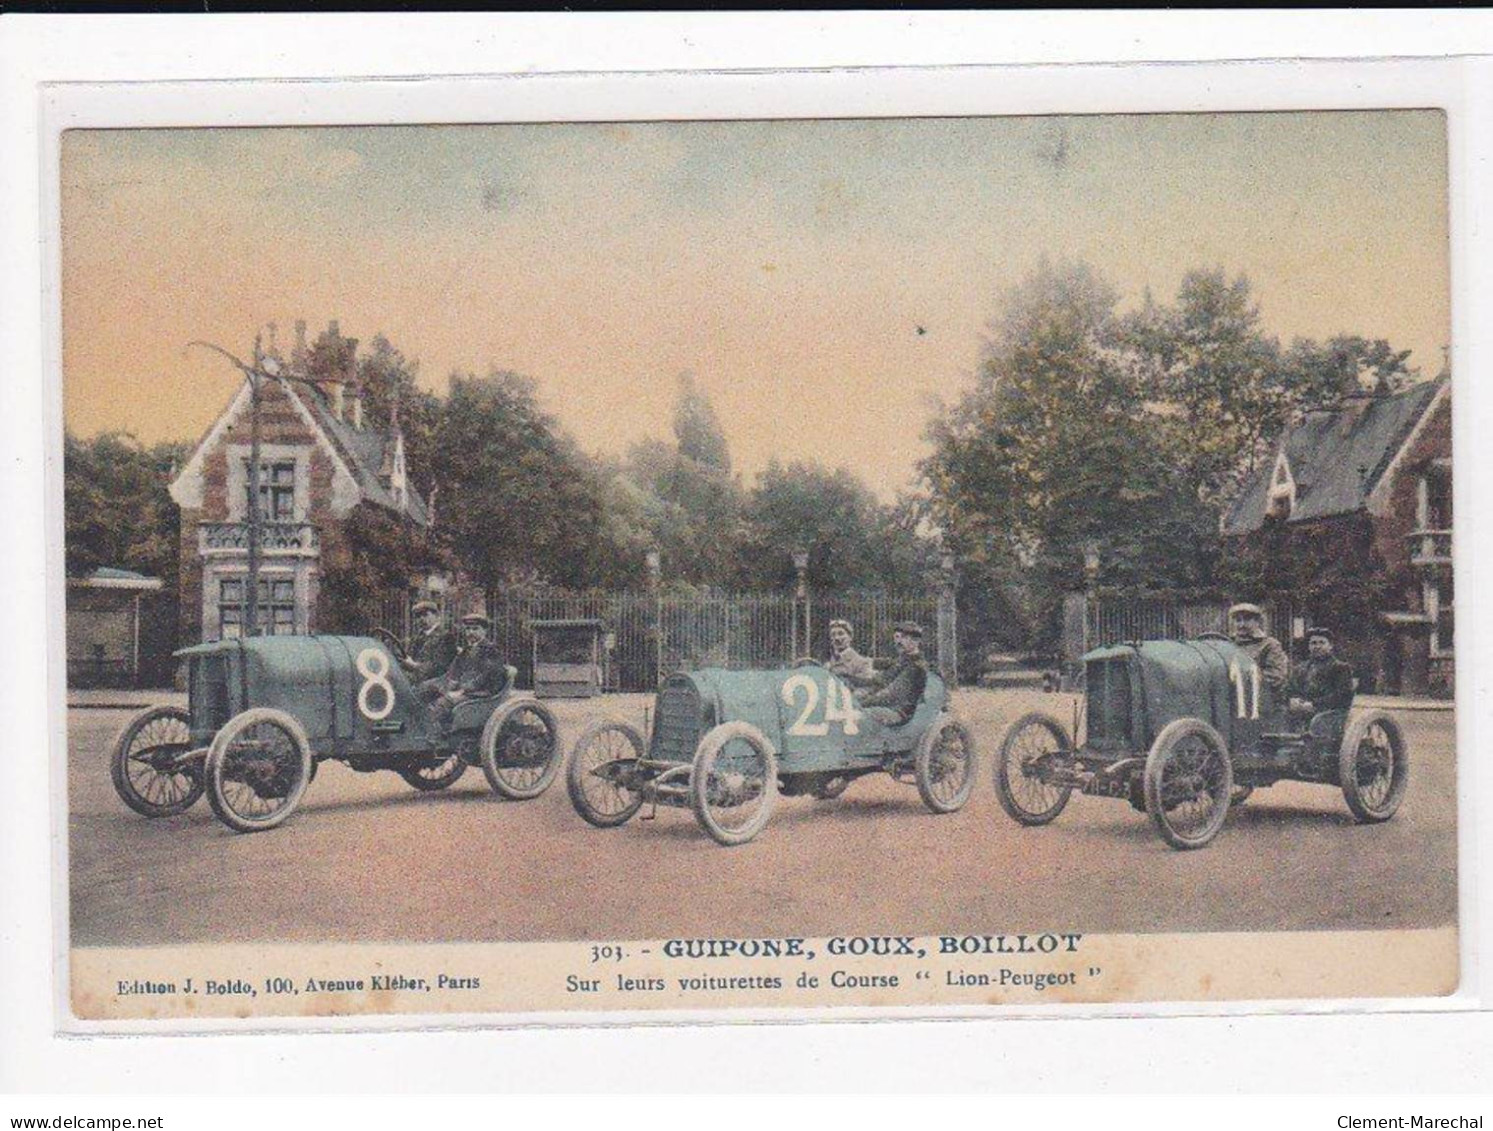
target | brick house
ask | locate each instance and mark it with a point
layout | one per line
(1367, 487)
(318, 465)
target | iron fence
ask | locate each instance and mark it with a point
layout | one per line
(1098, 620)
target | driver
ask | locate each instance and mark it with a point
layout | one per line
(476, 671)
(855, 669)
(1324, 682)
(1247, 627)
(898, 691)
(434, 645)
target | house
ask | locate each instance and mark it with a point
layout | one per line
(1366, 488)
(318, 465)
(104, 627)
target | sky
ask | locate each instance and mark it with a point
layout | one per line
(788, 265)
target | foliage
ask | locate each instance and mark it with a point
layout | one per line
(698, 430)
(117, 510)
(373, 553)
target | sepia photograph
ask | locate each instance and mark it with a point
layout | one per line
(822, 564)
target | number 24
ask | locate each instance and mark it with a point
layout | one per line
(839, 707)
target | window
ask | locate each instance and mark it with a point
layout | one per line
(1440, 596)
(276, 490)
(275, 611)
(1280, 498)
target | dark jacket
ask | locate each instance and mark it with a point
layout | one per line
(431, 653)
(1328, 683)
(476, 671)
(901, 687)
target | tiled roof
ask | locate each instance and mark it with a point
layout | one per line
(1336, 457)
(364, 451)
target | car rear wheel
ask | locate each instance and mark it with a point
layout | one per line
(605, 752)
(1023, 795)
(944, 766)
(1188, 781)
(733, 782)
(437, 774)
(521, 751)
(257, 769)
(149, 774)
(1374, 766)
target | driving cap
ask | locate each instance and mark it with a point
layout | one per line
(1244, 609)
(478, 619)
(909, 628)
(425, 607)
(1324, 633)
(845, 624)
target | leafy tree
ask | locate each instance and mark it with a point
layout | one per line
(117, 509)
(698, 430)
(386, 379)
(519, 500)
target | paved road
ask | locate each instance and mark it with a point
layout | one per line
(368, 859)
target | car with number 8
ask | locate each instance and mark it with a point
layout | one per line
(726, 743)
(263, 712)
(1183, 729)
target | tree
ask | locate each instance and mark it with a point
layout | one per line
(117, 508)
(387, 378)
(520, 503)
(698, 430)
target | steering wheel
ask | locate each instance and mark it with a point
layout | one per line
(392, 642)
(1224, 636)
(807, 662)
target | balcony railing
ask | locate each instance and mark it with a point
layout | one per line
(275, 537)
(1430, 547)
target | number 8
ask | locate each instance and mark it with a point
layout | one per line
(373, 666)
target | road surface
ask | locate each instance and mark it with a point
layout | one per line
(368, 859)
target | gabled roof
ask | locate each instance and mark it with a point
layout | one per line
(365, 452)
(1337, 458)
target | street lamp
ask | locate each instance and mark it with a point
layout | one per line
(801, 565)
(263, 367)
(1091, 564)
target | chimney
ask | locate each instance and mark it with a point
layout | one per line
(335, 398)
(355, 406)
(298, 353)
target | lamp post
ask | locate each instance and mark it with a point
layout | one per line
(801, 597)
(1091, 562)
(263, 368)
(948, 618)
(655, 579)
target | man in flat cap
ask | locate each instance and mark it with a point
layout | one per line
(897, 692)
(1247, 627)
(856, 670)
(477, 671)
(1323, 682)
(434, 645)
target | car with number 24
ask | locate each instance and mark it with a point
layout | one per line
(726, 743)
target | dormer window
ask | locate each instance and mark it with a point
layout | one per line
(1280, 497)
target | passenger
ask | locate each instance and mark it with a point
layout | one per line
(434, 645)
(1323, 683)
(856, 670)
(1247, 627)
(477, 671)
(898, 691)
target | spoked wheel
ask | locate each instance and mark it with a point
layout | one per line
(1030, 741)
(602, 757)
(1374, 766)
(944, 766)
(733, 782)
(1240, 794)
(1188, 780)
(521, 751)
(436, 775)
(257, 769)
(149, 773)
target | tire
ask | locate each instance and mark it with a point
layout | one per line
(945, 765)
(521, 752)
(1189, 779)
(720, 776)
(1024, 798)
(601, 802)
(1374, 766)
(143, 767)
(251, 794)
(434, 778)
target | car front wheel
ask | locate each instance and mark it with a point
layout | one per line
(733, 782)
(257, 769)
(1029, 742)
(1189, 779)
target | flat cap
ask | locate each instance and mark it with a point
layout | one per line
(909, 628)
(1318, 630)
(478, 619)
(425, 607)
(1245, 609)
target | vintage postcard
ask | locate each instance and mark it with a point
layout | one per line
(576, 569)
